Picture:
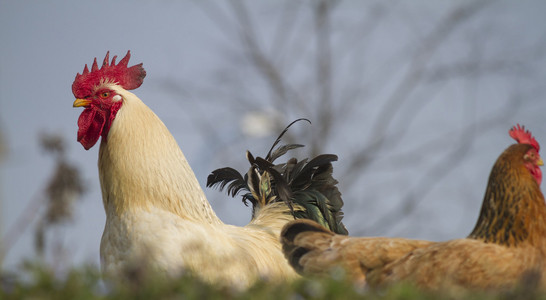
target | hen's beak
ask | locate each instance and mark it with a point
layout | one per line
(81, 102)
(540, 162)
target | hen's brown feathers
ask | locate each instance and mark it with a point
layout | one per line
(507, 243)
(462, 263)
(513, 210)
(312, 249)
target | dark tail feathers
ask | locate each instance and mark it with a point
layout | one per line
(306, 183)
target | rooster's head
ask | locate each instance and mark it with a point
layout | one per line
(93, 90)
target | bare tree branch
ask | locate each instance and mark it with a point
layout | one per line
(411, 80)
(417, 193)
(317, 64)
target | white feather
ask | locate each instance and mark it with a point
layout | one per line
(157, 213)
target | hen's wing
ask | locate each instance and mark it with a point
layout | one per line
(457, 264)
(312, 249)
(462, 264)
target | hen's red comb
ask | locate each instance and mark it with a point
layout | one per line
(523, 136)
(128, 78)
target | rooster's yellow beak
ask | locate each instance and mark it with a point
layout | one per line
(81, 102)
(540, 162)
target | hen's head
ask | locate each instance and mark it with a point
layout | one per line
(531, 158)
(93, 90)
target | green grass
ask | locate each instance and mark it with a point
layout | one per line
(36, 282)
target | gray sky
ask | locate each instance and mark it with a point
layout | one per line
(45, 43)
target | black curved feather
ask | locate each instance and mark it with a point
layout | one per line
(282, 151)
(307, 184)
(222, 177)
(277, 141)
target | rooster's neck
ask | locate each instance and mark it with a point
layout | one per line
(141, 166)
(513, 211)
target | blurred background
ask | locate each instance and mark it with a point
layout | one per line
(415, 97)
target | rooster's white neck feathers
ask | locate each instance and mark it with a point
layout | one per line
(141, 166)
(156, 212)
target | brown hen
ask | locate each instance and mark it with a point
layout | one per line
(507, 243)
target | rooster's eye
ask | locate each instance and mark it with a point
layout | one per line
(104, 95)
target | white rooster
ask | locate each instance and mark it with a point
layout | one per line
(156, 212)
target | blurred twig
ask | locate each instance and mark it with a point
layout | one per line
(64, 187)
(315, 63)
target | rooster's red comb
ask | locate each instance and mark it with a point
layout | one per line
(523, 136)
(128, 78)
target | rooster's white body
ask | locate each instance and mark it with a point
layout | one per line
(156, 211)
(157, 216)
